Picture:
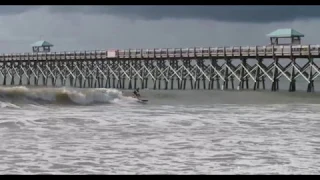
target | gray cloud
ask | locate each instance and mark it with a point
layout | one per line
(252, 14)
(85, 29)
(10, 10)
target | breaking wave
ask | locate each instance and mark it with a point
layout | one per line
(11, 96)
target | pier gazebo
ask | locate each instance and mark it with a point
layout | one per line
(41, 46)
(287, 33)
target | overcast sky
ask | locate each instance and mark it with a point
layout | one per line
(104, 27)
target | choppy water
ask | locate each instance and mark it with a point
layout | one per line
(101, 131)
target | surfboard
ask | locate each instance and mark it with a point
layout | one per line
(143, 100)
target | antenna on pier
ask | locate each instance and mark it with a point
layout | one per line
(293, 35)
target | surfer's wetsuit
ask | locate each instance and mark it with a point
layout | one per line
(136, 92)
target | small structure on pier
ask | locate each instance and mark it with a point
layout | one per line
(41, 46)
(288, 33)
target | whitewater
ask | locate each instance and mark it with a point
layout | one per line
(66, 130)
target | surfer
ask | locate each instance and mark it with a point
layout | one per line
(136, 93)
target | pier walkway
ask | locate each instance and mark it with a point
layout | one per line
(167, 68)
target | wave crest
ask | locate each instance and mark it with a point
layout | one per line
(62, 95)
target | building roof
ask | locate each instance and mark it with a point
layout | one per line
(41, 44)
(285, 33)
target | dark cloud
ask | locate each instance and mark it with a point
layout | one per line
(250, 14)
(8, 10)
(86, 28)
(254, 14)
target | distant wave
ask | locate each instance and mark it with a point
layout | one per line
(10, 96)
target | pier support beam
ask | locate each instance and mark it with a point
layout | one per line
(256, 85)
(292, 86)
(244, 81)
(275, 83)
(311, 81)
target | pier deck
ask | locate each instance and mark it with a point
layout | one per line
(172, 68)
(296, 51)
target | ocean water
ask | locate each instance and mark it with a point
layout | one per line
(104, 131)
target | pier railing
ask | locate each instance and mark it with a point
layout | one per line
(197, 52)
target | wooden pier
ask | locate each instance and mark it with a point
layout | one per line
(167, 68)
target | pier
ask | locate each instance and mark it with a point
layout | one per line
(222, 68)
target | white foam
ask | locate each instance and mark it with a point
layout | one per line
(8, 105)
(94, 95)
(204, 139)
